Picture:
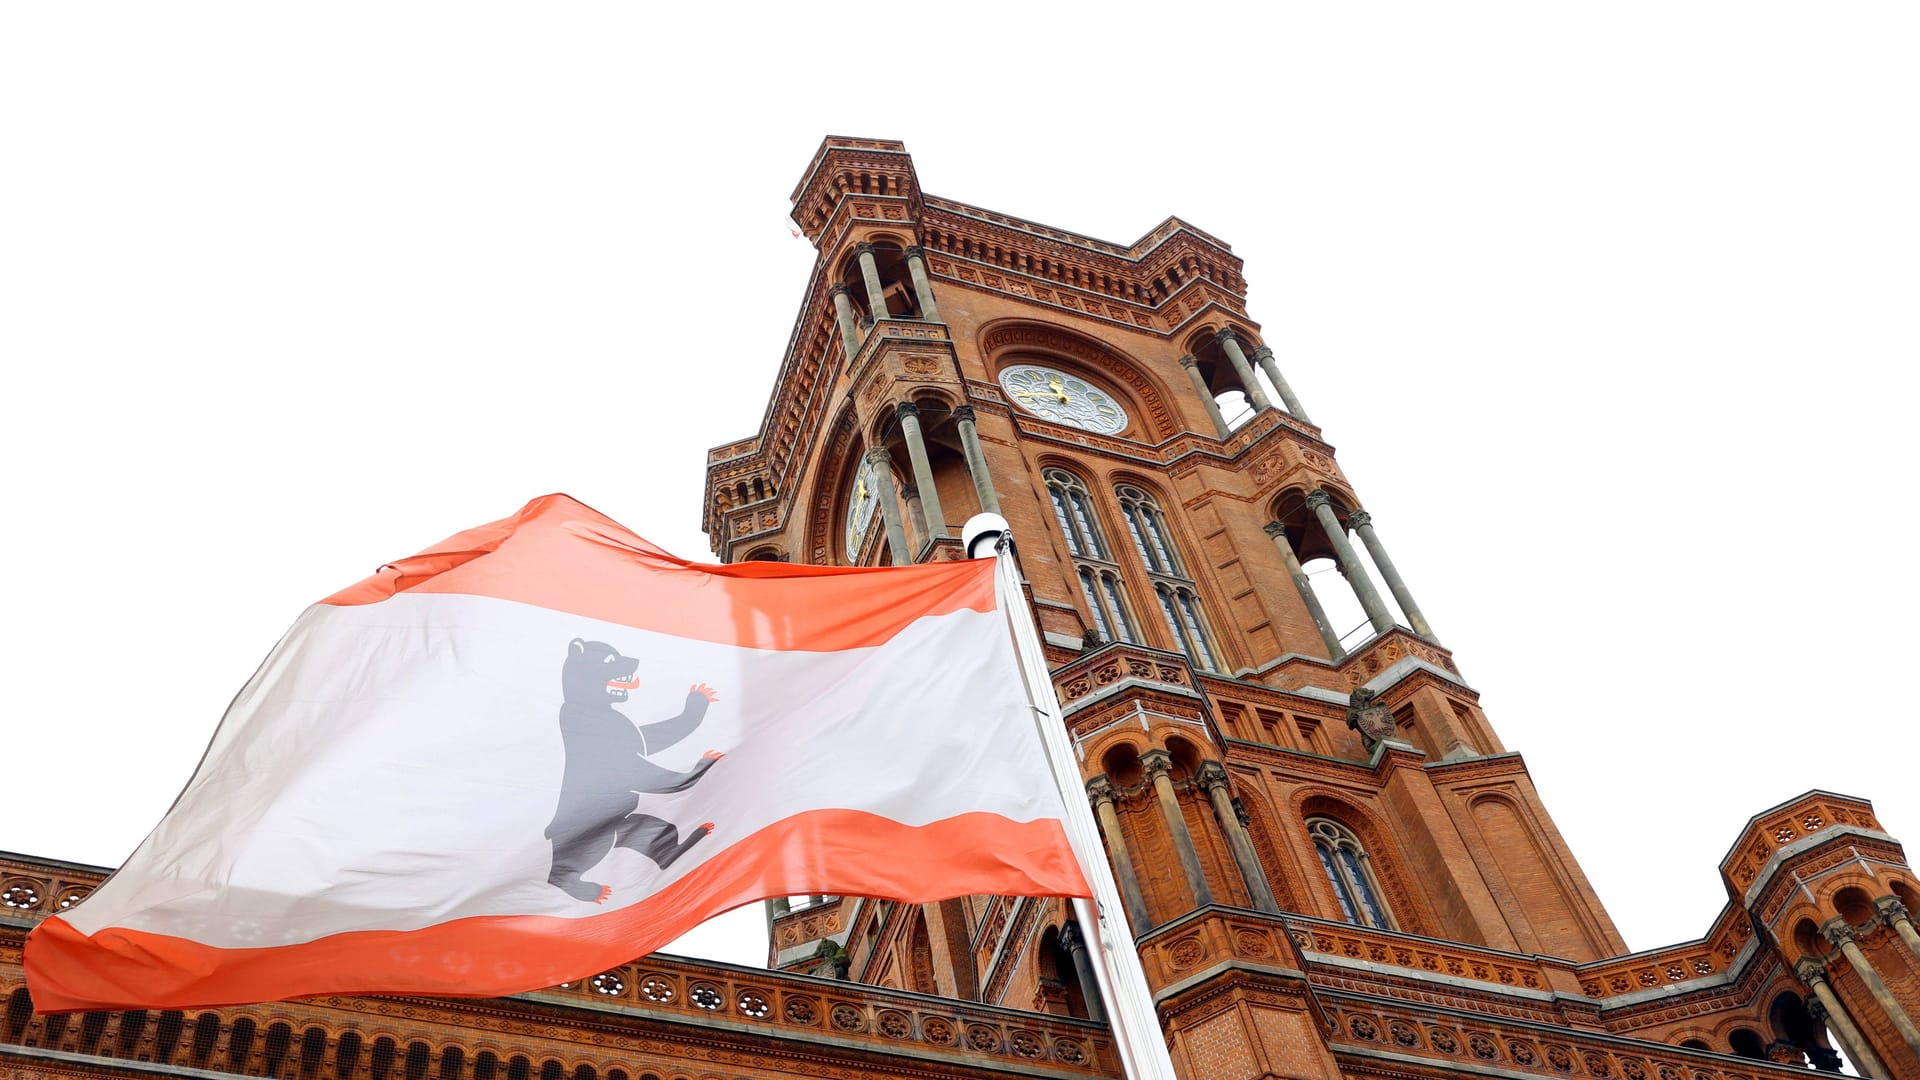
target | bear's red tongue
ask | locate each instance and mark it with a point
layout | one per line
(628, 685)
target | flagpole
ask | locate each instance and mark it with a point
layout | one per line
(1123, 984)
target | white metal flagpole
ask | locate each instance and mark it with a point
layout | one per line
(1123, 985)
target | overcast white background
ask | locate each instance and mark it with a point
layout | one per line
(1609, 309)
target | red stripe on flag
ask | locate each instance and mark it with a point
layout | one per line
(842, 852)
(560, 554)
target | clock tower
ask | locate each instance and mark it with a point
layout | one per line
(1329, 864)
(1328, 859)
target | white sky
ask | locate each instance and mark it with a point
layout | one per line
(1609, 309)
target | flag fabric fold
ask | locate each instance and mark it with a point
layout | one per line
(544, 747)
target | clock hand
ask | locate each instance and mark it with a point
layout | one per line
(1059, 390)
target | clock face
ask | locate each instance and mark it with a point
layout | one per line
(860, 504)
(1063, 399)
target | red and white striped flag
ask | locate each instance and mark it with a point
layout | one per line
(544, 747)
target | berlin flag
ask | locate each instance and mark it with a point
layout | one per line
(544, 747)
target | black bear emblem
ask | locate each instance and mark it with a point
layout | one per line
(607, 767)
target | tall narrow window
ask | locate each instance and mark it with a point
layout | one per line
(1174, 590)
(1345, 860)
(1092, 558)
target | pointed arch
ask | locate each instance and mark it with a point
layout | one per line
(919, 959)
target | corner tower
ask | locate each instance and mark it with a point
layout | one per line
(1328, 858)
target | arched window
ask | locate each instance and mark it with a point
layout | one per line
(1174, 590)
(1092, 557)
(1747, 1043)
(1344, 859)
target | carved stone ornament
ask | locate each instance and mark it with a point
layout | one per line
(1837, 931)
(1212, 775)
(1100, 789)
(1359, 519)
(1318, 498)
(1274, 530)
(1373, 722)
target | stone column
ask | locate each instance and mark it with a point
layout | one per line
(922, 288)
(1076, 946)
(1213, 777)
(1328, 635)
(909, 415)
(1839, 933)
(1350, 566)
(1264, 357)
(1896, 915)
(1159, 766)
(889, 505)
(1825, 1008)
(1230, 345)
(1362, 522)
(1100, 790)
(849, 323)
(1206, 396)
(916, 514)
(976, 460)
(870, 272)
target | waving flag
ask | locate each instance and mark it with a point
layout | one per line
(545, 746)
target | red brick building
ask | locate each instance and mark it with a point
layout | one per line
(1331, 864)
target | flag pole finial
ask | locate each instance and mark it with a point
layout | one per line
(982, 533)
